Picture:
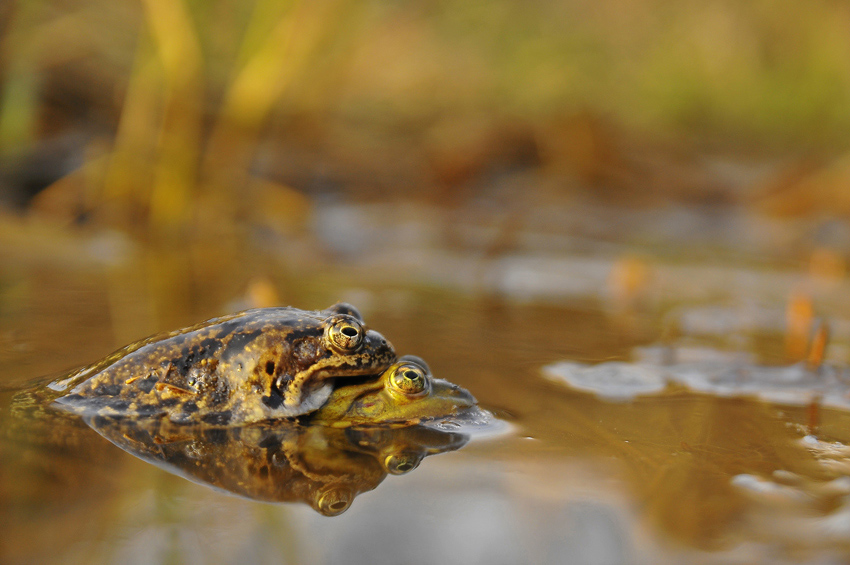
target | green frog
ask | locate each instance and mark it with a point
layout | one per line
(404, 395)
(260, 364)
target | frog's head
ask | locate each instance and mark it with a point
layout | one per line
(404, 394)
(299, 359)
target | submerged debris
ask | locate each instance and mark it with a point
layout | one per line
(614, 380)
(720, 374)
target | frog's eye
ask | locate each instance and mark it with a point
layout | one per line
(410, 379)
(345, 334)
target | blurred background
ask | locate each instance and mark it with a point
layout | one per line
(154, 117)
(498, 186)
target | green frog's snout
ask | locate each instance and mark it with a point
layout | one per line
(454, 394)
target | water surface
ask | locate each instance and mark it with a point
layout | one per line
(663, 477)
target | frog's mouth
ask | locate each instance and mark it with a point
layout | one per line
(303, 389)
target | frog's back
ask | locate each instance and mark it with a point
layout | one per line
(206, 372)
(194, 343)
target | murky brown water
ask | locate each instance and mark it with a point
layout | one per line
(670, 477)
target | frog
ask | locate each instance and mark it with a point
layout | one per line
(259, 364)
(405, 394)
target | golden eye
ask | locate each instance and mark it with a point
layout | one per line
(401, 463)
(410, 379)
(345, 334)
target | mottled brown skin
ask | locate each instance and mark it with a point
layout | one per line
(256, 365)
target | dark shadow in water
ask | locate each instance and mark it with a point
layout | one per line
(282, 461)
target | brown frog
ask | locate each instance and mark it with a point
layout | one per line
(255, 365)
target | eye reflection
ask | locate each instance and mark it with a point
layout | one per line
(401, 463)
(334, 502)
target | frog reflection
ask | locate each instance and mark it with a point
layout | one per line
(283, 461)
